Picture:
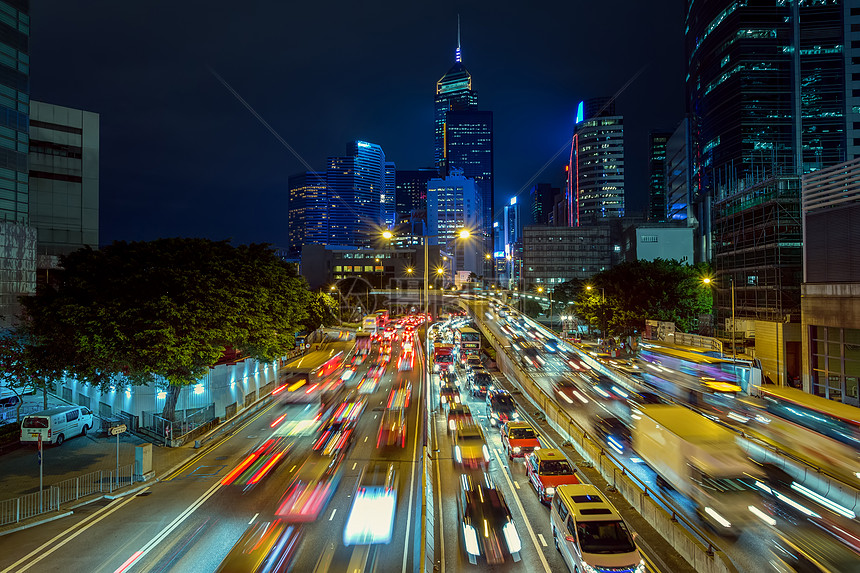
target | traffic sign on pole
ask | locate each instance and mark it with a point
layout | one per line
(116, 430)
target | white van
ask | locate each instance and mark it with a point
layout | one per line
(56, 424)
(590, 533)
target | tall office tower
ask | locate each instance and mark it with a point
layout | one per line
(64, 179)
(512, 224)
(657, 175)
(355, 185)
(308, 212)
(411, 191)
(454, 203)
(464, 138)
(541, 197)
(678, 177)
(453, 92)
(770, 86)
(595, 186)
(17, 238)
(389, 194)
(14, 110)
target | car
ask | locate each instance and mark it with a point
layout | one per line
(487, 527)
(449, 394)
(501, 408)
(264, 457)
(569, 392)
(479, 382)
(310, 490)
(473, 361)
(335, 437)
(614, 432)
(392, 428)
(371, 518)
(589, 532)
(459, 415)
(265, 546)
(519, 439)
(547, 469)
(470, 447)
(449, 378)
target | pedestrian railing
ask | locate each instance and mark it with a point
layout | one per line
(53, 497)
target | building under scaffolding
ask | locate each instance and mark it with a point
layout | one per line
(758, 240)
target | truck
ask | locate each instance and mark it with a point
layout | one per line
(702, 460)
(443, 357)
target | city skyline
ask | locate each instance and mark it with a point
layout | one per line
(182, 157)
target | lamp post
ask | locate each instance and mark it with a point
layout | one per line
(339, 314)
(602, 305)
(707, 281)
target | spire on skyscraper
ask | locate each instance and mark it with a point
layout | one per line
(457, 55)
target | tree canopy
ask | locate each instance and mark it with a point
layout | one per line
(165, 309)
(621, 298)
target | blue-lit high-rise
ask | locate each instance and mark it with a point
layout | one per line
(388, 199)
(356, 185)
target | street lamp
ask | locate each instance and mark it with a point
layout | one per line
(707, 281)
(333, 288)
(602, 306)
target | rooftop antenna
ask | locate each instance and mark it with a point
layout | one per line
(457, 56)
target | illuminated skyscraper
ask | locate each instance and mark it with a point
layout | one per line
(454, 203)
(464, 139)
(389, 214)
(356, 185)
(411, 192)
(657, 175)
(308, 211)
(595, 187)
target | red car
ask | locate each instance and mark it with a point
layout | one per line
(519, 439)
(547, 469)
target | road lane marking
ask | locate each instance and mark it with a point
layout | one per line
(41, 550)
(354, 464)
(325, 559)
(517, 485)
(168, 529)
(412, 481)
(525, 519)
(253, 518)
(330, 517)
(542, 540)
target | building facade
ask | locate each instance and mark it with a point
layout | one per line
(355, 187)
(411, 192)
(678, 177)
(453, 204)
(830, 301)
(307, 212)
(595, 187)
(64, 178)
(541, 197)
(388, 199)
(14, 110)
(650, 241)
(657, 141)
(553, 255)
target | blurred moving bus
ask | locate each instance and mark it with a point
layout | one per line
(309, 379)
(468, 340)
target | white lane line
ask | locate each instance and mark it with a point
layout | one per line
(542, 540)
(173, 525)
(253, 518)
(411, 482)
(526, 519)
(354, 464)
(330, 517)
(96, 517)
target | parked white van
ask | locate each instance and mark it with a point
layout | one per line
(589, 532)
(56, 424)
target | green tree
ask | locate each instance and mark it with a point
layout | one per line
(623, 297)
(568, 290)
(532, 307)
(322, 311)
(145, 311)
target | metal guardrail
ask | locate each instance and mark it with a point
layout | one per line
(54, 496)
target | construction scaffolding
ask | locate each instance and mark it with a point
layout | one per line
(758, 245)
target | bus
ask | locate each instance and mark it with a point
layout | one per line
(821, 432)
(310, 378)
(705, 382)
(468, 340)
(381, 318)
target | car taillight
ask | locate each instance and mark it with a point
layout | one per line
(49, 434)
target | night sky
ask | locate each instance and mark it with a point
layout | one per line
(180, 156)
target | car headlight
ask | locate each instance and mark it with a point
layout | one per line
(456, 398)
(515, 415)
(443, 399)
(588, 568)
(457, 454)
(517, 449)
(512, 537)
(451, 425)
(641, 567)
(550, 491)
(494, 415)
(486, 453)
(470, 536)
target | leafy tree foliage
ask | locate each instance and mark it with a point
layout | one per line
(322, 311)
(568, 291)
(532, 307)
(623, 297)
(143, 311)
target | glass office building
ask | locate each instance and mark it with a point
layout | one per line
(14, 110)
(308, 211)
(657, 175)
(356, 186)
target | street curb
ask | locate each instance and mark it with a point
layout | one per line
(132, 491)
(28, 525)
